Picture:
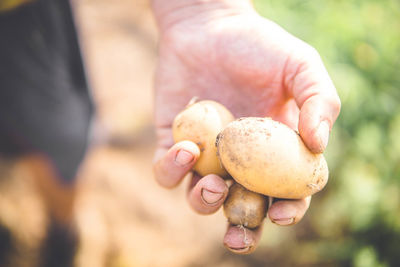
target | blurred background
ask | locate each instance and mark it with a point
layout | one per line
(125, 219)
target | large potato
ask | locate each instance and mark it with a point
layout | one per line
(200, 123)
(269, 158)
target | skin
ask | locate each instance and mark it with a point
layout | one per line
(224, 51)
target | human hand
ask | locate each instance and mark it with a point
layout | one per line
(224, 51)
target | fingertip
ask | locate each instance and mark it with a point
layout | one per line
(315, 124)
(241, 240)
(189, 145)
(282, 214)
(186, 145)
(317, 139)
(185, 152)
(171, 166)
(322, 137)
(287, 212)
(208, 194)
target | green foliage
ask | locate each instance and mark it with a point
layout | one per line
(359, 42)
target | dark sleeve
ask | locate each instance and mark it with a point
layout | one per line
(45, 106)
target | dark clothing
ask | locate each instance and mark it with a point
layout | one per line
(45, 106)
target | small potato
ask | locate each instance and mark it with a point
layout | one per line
(245, 208)
(269, 158)
(200, 123)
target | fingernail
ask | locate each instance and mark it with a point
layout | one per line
(243, 250)
(323, 135)
(211, 198)
(183, 157)
(283, 222)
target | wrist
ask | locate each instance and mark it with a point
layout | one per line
(169, 13)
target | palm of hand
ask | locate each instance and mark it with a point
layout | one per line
(247, 64)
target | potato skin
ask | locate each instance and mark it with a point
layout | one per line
(269, 158)
(200, 123)
(245, 208)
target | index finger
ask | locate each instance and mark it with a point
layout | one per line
(317, 99)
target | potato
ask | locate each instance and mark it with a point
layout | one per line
(200, 123)
(245, 208)
(269, 158)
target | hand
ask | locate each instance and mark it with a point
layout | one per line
(223, 50)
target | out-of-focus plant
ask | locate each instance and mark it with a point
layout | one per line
(356, 220)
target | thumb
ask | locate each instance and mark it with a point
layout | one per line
(318, 102)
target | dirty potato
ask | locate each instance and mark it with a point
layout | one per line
(269, 158)
(245, 208)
